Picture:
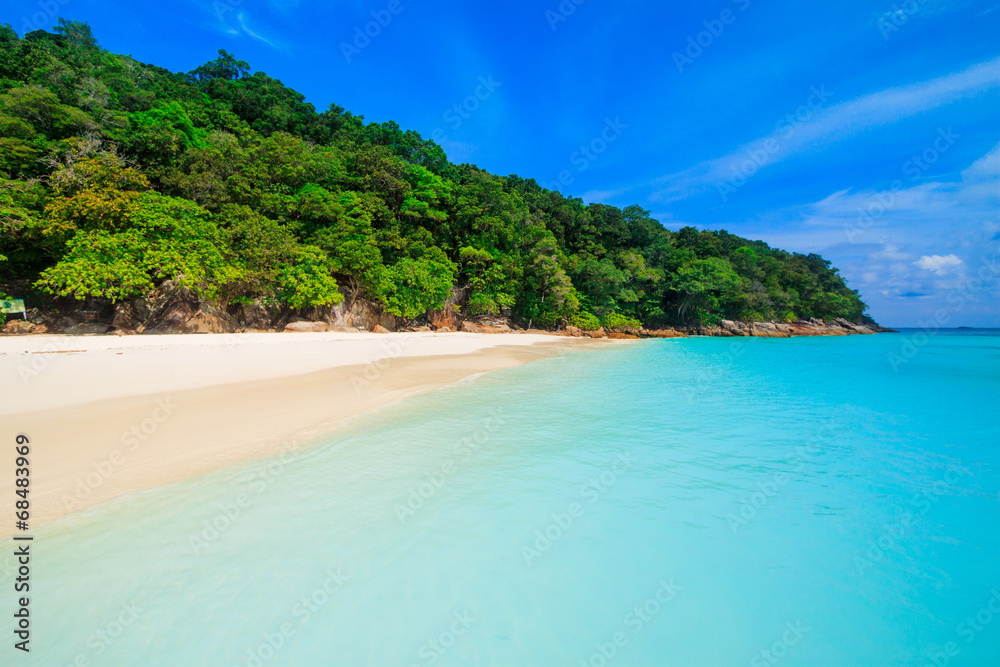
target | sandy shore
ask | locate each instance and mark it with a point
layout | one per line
(108, 415)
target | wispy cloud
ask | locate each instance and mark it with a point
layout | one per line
(231, 20)
(242, 20)
(834, 124)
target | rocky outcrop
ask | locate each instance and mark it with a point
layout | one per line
(663, 333)
(175, 309)
(810, 327)
(256, 316)
(355, 313)
(449, 315)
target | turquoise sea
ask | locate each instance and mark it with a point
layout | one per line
(814, 501)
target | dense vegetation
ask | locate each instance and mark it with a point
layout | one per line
(116, 175)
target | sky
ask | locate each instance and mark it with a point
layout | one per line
(868, 132)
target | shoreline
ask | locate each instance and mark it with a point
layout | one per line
(108, 416)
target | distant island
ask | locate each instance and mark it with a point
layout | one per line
(134, 199)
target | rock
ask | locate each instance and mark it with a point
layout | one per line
(254, 316)
(665, 333)
(125, 317)
(204, 322)
(471, 327)
(355, 313)
(735, 328)
(87, 329)
(307, 327)
(446, 329)
(40, 329)
(379, 329)
(449, 315)
(171, 306)
(576, 332)
(19, 328)
(622, 336)
(499, 329)
(600, 333)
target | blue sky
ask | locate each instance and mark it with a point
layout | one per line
(868, 132)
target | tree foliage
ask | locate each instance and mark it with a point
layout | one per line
(116, 175)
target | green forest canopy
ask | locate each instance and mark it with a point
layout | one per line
(116, 175)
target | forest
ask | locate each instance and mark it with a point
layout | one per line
(116, 176)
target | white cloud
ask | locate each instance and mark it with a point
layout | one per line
(942, 265)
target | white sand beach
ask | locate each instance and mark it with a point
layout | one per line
(111, 415)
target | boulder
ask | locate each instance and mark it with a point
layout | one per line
(19, 328)
(126, 318)
(307, 327)
(449, 315)
(204, 322)
(600, 333)
(254, 316)
(498, 329)
(87, 329)
(576, 332)
(170, 306)
(379, 329)
(622, 336)
(446, 329)
(355, 313)
(471, 327)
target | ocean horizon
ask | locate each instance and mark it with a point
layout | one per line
(708, 501)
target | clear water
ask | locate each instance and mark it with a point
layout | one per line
(706, 502)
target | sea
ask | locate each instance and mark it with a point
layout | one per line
(693, 502)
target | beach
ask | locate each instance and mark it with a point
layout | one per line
(112, 415)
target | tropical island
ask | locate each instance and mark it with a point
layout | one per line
(135, 199)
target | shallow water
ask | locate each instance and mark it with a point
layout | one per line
(827, 501)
